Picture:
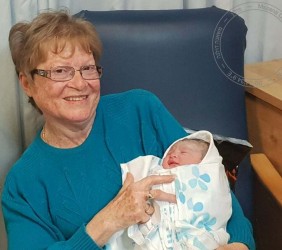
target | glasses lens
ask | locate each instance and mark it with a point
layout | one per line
(62, 73)
(90, 72)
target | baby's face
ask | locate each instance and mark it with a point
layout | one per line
(181, 153)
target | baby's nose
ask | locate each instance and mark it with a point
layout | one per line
(173, 155)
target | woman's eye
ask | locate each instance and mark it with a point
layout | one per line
(89, 68)
(60, 71)
(86, 68)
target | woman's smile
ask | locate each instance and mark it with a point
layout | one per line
(76, 98)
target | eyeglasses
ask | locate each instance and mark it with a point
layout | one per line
(66, 73)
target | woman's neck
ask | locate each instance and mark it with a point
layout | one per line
(62, 136)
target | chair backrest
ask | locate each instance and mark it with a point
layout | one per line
(173, 54)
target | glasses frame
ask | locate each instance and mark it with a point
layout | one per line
(47, 73)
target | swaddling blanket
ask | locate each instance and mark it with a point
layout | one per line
(198, 220)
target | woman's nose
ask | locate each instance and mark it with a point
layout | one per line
(77, 81)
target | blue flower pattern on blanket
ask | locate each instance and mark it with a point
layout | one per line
(198, 219)
(202, 220)
(199, 179)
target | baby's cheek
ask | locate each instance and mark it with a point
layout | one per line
(165, 165)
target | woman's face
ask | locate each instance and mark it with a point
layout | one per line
(73, 101)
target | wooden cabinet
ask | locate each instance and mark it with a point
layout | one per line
(264, 109)
(264, 117)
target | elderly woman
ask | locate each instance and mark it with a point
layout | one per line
(65, 191)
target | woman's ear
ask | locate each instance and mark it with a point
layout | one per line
(25, 83)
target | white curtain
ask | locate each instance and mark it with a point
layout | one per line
(18, 121)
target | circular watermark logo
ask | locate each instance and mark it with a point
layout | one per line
(217, 43)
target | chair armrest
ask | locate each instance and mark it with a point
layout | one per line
(268, 176)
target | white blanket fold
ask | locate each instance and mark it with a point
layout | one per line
(198, 220)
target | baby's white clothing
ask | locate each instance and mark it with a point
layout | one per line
(198, 220)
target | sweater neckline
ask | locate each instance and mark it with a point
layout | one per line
(93, 133)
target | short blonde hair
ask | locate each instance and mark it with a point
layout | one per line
(30, 42)
(52, 30)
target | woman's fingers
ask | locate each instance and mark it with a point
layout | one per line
(148, 182)
(149, 209)
(163, 196)
(156, 179)
(142, 190)
(131, 205)
(128, 181)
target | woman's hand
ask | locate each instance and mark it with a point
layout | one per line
(233, 246)
(128, 207)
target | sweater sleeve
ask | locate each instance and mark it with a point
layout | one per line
(239, 227)
(27, 230)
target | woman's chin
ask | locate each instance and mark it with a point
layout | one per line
(80, 117)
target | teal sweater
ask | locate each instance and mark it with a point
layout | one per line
(50, 194)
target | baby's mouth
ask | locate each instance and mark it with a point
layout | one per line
(172, 163)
